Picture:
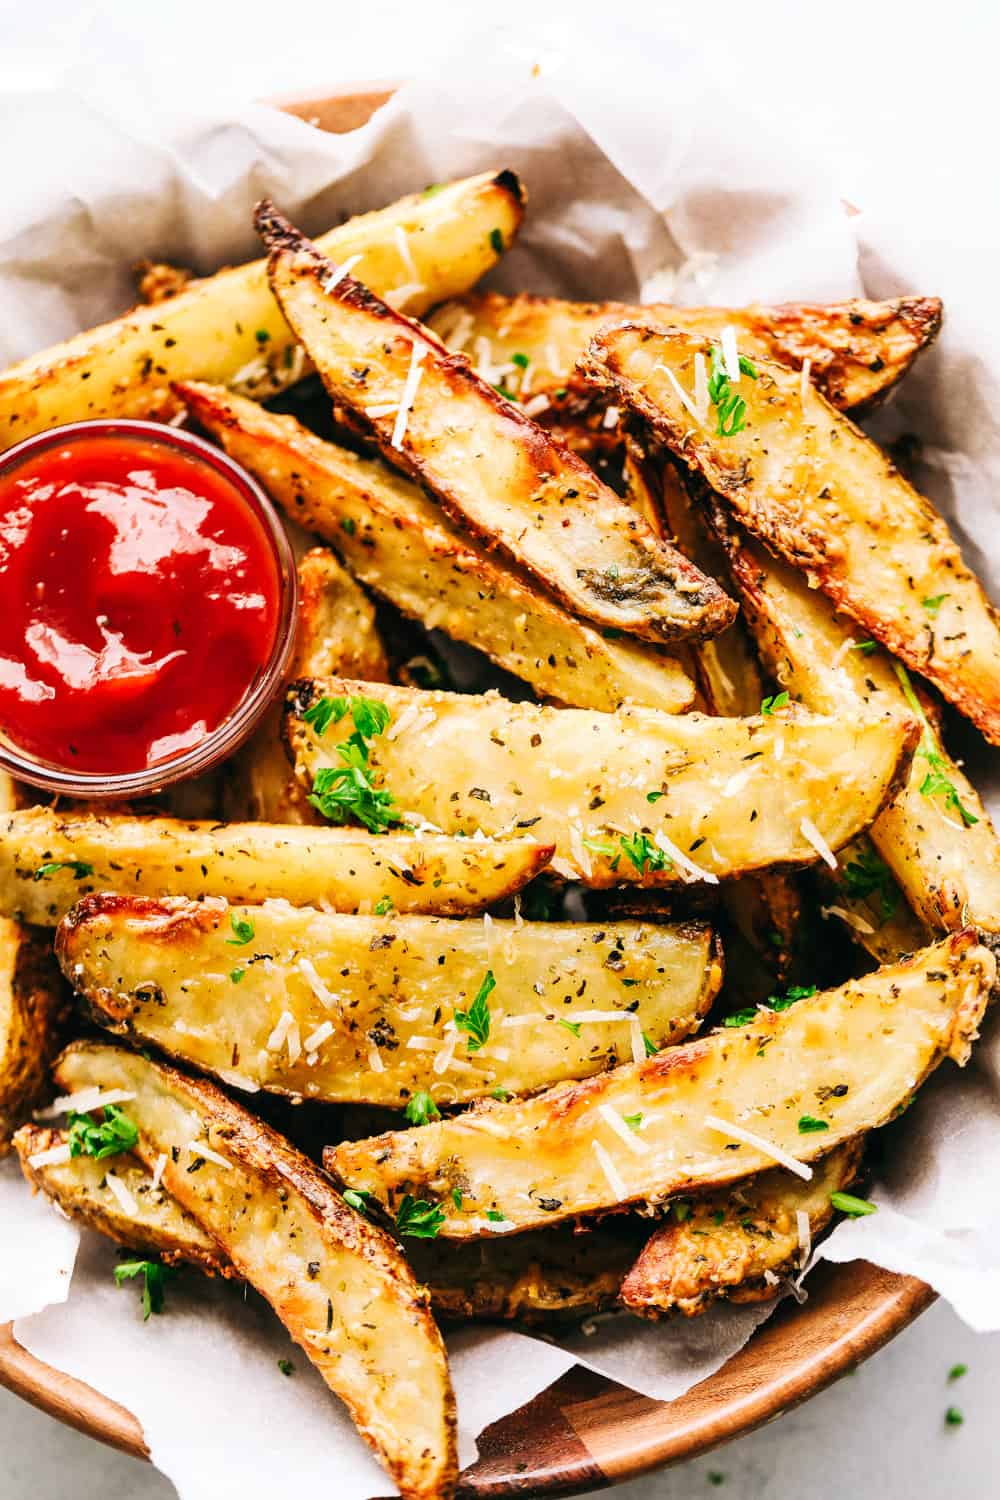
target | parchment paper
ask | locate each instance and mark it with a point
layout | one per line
(658, 187)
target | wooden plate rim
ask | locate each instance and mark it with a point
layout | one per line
(585, 1431)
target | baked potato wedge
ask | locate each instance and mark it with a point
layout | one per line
(401, 545)
(490, 466)
(144, 1217)
(335, 632)
(809, 484)
(738, 1244)
(697, 1116)
(372, 1010)
(33, 1007)
(632, 797)
(536, 1278)
(857, 350)
(49, 860)
(341, 1286)
(935, 839)
(228, 327)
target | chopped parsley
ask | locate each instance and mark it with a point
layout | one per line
(383, 906)
(716, 1477)
(641, 852)
(348, 525)
(573, 1026)
(475, 1021)
(346, 791)
(934, 603)
(421, 1109)
(80, 868)
(651, 1048)
(434, 187)
(109, 1137)
(419, 1219)
(262, 336)
(855, 1208)
(936, 783)
(809, 1125)
(285, 1366)
(243, 931)
(521, 360)
(865, 648)
(768, 706)
(953, 1417)
(957, 1371)
(654, 796)
(496, 241)
(495, 1216)
(731, 409)
(869, 875)
(456, 1197)
(154, 1277)
(501, 1094)
(237, 975)
(681, 1211)
(634, 1122)
(773, 1002)
(359, 1201)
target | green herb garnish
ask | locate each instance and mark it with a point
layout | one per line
(936, 783)
(346, 791)
(773, 1002)
(953, 1417)
(933, 604)
(237, 975)
(869, 875)
(495, 1216)
(808, 1125)
(521, 360)
(80, 868)
(154, 1276)
(383, 906)
(644, 854)
(421, 1109)
(651, 1048)
(285, 1366)
(475, 1021)
(262, 336)
(634, 1122)
(957, 1371)
(496, 241)
(243, 931)
(855, 1208)
(768, 706)
(865, 648)
(419, 1219)
(358, 1200)
(731, 409)
(109, 1137)
(501, 1094)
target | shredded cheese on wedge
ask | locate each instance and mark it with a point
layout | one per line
(536, 405)
(730, 353)
(687, 866)
(286, 1028)
(386, 409)
(850, 917)
(53, 1156)
(765, 1147)
(199, 1148)
(701, 386)
(409, 395)
(637, 1040)
(339, 272)
(326, 998)
(617, 1123)
(375, 1058)
(406, 254)
(804, 380)
(401, 295)
(611, 1173)
(315, 1040)
(83, 1101)
(682, 394)
(812, 835)
(804, 1230)
(122, 1193)
(157, 1178)
(442, 1062)
(611, 417)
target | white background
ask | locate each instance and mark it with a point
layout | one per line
(882, 82)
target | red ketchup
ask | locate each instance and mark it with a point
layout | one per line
(141, 600)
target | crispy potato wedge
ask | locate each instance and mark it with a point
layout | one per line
(33, 1007)
(400, 544)
(341, 1287)
(817, 492)
(335, 632)
(587, 781)
(228, 327)
(155, 1224)
(49, 860)
(850, 1056)
(536, 1278)
(738, 1244)
(857, 351)
(488, 464)
(939, 845)
(364, 1010)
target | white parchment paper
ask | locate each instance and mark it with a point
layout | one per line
(647, 186)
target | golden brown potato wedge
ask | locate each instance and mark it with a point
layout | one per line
(341, 1287)
(738, 1244)
(535, 1278)
(633, 797)
(152, 1221)
(372, 1010)
(857, 351)
(804, 480)
(698, 1116)
(491, 467)
(49, 860)
(228, 328)
(33, 1006)
(335, 632)
(935, 839)
(399, 543)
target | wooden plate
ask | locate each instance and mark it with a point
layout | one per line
(585, 1431)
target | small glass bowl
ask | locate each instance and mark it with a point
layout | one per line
(232, 732)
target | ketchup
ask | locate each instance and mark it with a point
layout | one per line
(140, 601)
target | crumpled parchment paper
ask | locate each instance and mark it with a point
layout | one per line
(649, 188)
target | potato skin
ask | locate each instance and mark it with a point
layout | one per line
(34, 1005)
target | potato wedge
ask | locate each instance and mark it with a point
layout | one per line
(364, 1010)
(488, 464)
(535, 1278)
(591, 783)
(857, 350)
(713, 1110)
(49, 860)
(33, 1007)
(936, 837)
(341, 1287)
(228, 327)
(335, 632)
(155, 1224)
(400, 544)
(817, 492)
(738, 1244)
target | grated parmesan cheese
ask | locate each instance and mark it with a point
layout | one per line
(701, 386)
(237, 1080)
(687, 866)
(375, 1058)
(326, 998)
(339, 272)
(730, 353)
(616, 1123)
(488, 935)
(286, 1033)
(637, 1040)
(805, 1236)
(445, 1054)
(812, 835)
(406, 254)
(767, 1148)
(122, 1193)
(536, 405)
(579, 851)
(83, 1101)
(682, 394)
(842, 651)
(401, 295)
(804, 380)
(315, 1040)
(160, 1163)
(611, 417)
(386, 409)
(199, 1148)
(54, 1156)
(850, 917)
(614, 1179)
(408, 397)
